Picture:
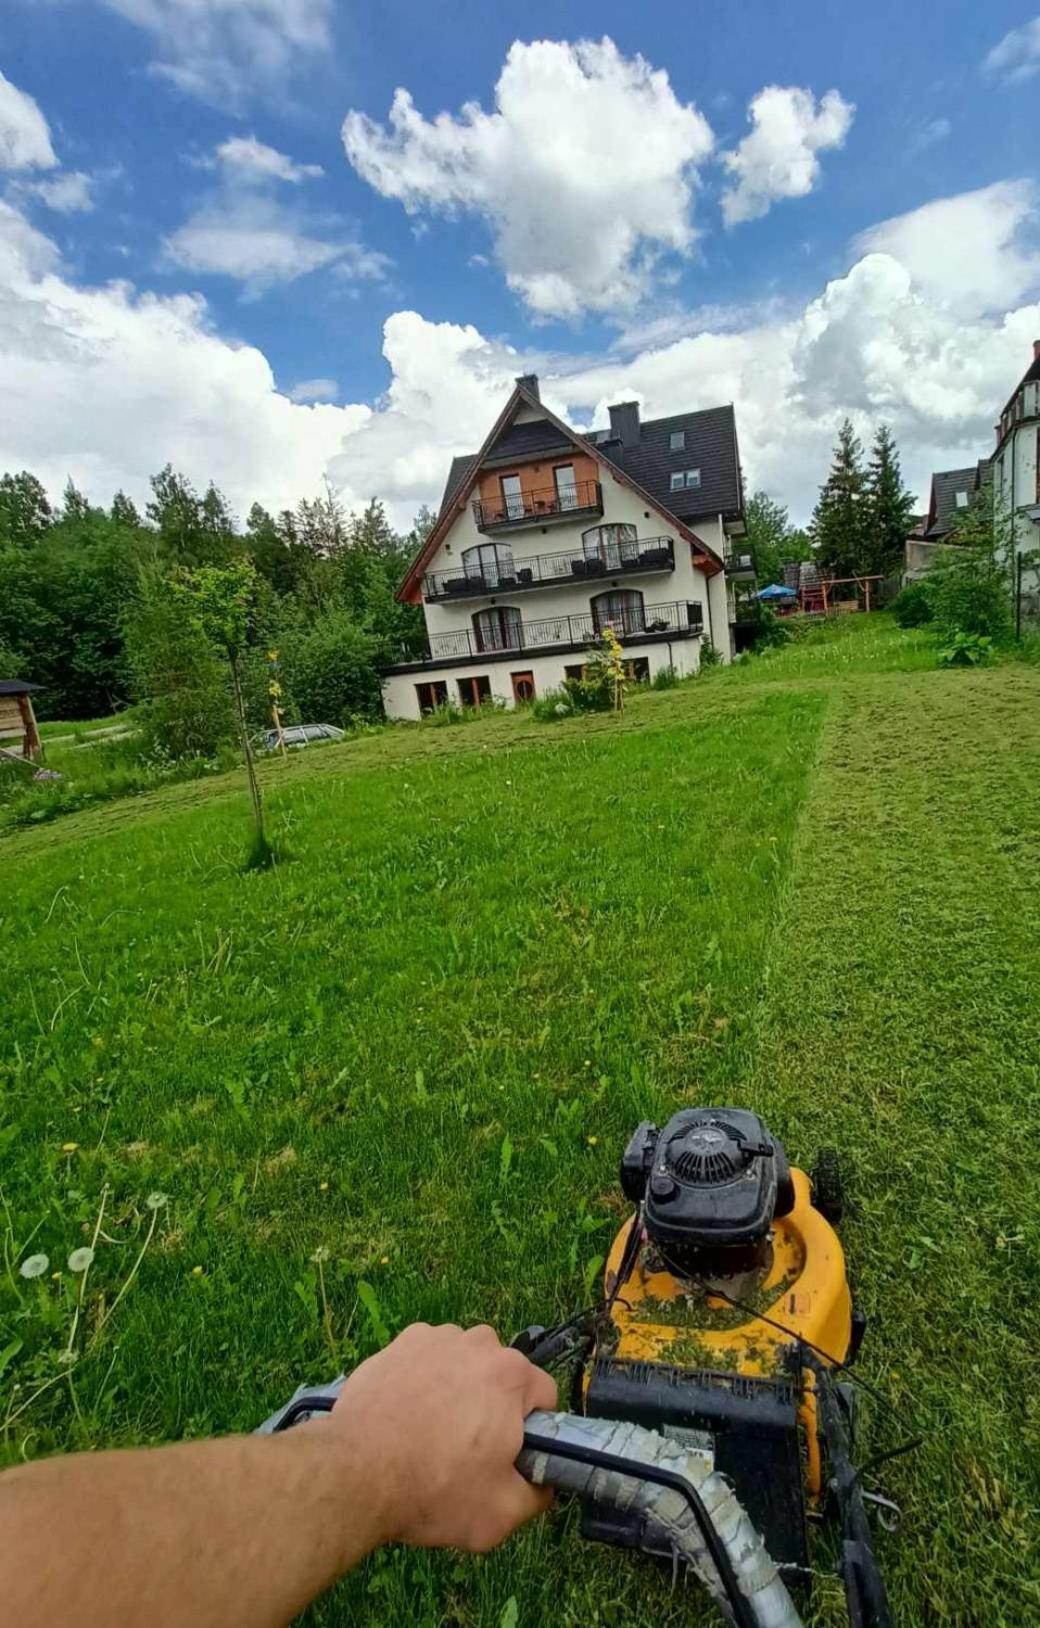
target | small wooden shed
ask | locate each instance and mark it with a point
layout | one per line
(17, 719)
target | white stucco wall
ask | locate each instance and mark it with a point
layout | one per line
(620, 505)
(400, 693)
(1015, 473)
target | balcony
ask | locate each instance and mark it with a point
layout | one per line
(584, 497)
(740, 567)
(673, 621)
(550, 570)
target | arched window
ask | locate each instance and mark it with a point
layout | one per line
(622, 610)
(500, 628)
(492, 563)
(614, 544)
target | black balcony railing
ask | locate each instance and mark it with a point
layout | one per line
(556, 632)
(740, 565)
(544, 570)
(552, 502)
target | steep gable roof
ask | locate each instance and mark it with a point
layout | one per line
(709, 444)
(943, 507)
(462, 480)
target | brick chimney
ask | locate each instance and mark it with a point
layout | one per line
(1036, 350)
(624, 423)
(529, 383)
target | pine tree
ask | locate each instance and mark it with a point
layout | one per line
(837, 525)
(889, 507)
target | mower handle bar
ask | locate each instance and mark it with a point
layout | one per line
(687, 1508)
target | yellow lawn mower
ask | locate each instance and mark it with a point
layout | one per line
(708, 1422)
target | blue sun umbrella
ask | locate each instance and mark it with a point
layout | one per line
(774, 591)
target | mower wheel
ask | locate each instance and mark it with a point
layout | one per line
(828, 1195)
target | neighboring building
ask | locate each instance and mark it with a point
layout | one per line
(952, 492)
(546, 536)
(1016, 463)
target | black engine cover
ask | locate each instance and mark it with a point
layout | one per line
(713, 1177)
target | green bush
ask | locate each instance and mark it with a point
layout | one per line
(330, 670)
(912, 606)
(966, 650)
(555, 705)
(970, 590)
(710, 657)
(767, 630)
(666, 678)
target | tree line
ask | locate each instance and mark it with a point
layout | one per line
(862, 517)
(89, 612)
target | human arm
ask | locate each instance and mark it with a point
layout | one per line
(243, 1532)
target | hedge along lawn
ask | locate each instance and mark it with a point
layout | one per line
(420, 1045)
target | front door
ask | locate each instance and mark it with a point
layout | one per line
(523, 686)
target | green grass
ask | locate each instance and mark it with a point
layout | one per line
(420, 1045)
(82, 729)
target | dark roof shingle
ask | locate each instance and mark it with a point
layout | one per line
(710, 445)
(946, 483)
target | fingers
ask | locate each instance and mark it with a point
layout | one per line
(519, 1503)
(539, 1390)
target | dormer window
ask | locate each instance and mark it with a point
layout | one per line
(961, 499)
(677, 441)
(686, 480)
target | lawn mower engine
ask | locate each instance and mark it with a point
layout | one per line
(728, 1273)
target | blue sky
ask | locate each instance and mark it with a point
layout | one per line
(624, 239)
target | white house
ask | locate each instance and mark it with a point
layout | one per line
(1015, 464)
(545, 537)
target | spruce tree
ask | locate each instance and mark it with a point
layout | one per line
(837, 525)
(889, 507)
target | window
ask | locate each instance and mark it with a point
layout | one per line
(431, 696)
(638, 670)
(512, 497)
(962, 500)
(491, 563)
(566, 486)
(523, 687)
(677, 441)
(686, 480)
(576, 671)
(500, 628)
(621, 610)
(613, 544)
(474, 691)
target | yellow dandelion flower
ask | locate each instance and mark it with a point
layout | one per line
(69, 1147)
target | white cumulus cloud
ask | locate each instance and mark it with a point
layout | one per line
(70, 193)
(107, 384)
(584, 171)
(253, 160)
(243, 229)
(778, 158)
(975, 251)
(25, 138)
(225, 50)
(314, 390)
(1017, 56)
